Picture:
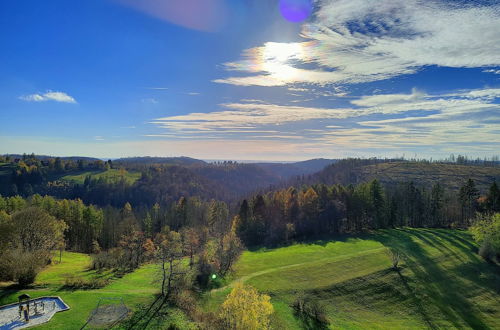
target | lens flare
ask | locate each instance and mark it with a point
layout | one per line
(295, 10)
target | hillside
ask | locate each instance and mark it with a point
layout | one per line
(451, 176)
(443, 282)
(288, 170)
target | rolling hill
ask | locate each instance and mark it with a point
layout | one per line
(442, 283)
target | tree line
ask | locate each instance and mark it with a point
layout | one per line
(319, 210)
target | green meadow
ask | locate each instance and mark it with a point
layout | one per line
(442, 283)
(111, 175)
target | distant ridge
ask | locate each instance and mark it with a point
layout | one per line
(159, 160)
(45, 157)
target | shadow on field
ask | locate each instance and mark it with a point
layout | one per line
(442, 289)
(8, 291)
(145, 314)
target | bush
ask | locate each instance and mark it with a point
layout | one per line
(486, 231)
(16, 265)
(111, 259)
(27, 275)
(74, 282)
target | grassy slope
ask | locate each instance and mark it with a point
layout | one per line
(135, 288)
(443, 283)
(451, 176)
(112, 174)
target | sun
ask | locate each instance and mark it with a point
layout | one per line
(275, 58)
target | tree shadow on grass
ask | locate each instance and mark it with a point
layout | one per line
(8, 291)
(441, 288)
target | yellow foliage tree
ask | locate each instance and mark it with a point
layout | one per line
(246, 309)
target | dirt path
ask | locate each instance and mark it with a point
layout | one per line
(270, 270)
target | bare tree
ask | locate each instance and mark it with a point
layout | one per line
(395, 257)
(169, 255)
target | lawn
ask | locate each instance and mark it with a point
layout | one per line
(442, 282)
(135, 288)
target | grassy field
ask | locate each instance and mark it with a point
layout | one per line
(136, 289)
(442, 283)
(111, 174)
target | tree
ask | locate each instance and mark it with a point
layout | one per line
(378, 203)
(486, 231)
(468, 199)
(35, 235)
(37, 231)
(493, 198)
(169, 255)
(437, 200)
(245, 309)
(191, 243)
(228, 251)
(395, 257)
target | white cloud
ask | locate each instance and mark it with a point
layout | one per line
(48, 96)
(355, 41)
(492, 71)
(457, 121)
(374, 100)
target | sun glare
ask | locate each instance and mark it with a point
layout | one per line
(275, 58)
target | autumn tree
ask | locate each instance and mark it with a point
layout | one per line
(169, 256)
(228, 251)
(191, 243)
(245, 309)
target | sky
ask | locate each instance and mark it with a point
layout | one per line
(250, 79)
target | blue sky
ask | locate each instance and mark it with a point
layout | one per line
(229, 79)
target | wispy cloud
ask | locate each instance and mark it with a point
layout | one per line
(149, 100)
(157, 88)
(380, 121)
(492, 71)
(48, 96)
(355, 41)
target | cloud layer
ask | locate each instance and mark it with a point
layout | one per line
(469, 118)
(49, 96)
(355, 41)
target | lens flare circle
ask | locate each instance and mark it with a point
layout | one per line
(295, 10)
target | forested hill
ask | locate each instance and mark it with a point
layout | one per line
(390, 172)
(142, 161)
(287, 170)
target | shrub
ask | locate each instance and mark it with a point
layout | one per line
(16, 265)
(486, 231)
(75, 282)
